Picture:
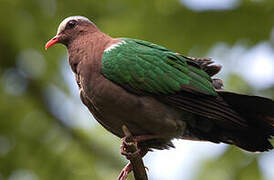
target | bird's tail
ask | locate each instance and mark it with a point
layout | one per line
(259, 113)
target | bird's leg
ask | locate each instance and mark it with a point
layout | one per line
(136, 139)
(143, 138)
(142, 152)
(125, 171)
(128, 168)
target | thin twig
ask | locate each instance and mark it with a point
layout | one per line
(135, 158)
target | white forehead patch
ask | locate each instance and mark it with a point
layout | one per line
(65, 21)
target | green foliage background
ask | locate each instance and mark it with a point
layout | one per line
(36, 141)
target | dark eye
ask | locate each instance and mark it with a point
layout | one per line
(71, 24)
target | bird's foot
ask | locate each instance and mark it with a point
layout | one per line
(125, 171)
(136, 140)
(126, 153)
(124, 149)
(143, 138)
(130, 149)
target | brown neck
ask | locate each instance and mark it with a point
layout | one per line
(89, 48)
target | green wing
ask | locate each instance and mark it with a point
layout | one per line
(153, 69)
(179, 81)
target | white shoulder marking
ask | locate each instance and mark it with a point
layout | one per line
(113, 46)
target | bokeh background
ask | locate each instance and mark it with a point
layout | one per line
(47, 134)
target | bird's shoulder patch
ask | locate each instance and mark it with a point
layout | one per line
(114, 46)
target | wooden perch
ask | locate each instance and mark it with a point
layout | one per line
(135, 157)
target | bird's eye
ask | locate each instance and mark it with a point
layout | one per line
(71, 24)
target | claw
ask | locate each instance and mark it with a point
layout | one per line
(147, 169)
(125, 171)
(124, 151)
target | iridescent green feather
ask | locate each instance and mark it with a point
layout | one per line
(151, 68)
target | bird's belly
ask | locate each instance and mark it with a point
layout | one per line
(114, 107)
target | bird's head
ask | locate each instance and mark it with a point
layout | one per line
(71, 28)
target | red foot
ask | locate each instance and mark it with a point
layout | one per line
(128, 168)
(124, 151)
(145, 138)
(137, 139)
(124, 173)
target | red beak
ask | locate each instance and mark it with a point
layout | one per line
(51, 42)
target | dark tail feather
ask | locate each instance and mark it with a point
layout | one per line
(259, 113)
(257, 110)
